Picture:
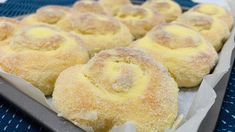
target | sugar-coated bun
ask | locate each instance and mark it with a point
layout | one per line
(215, 11)
(88, 6)
(99, 32)
(38, 53)
(170, 9)
(118, 86)
(186, 54)
(112, 6)
(47, 14)
(139, 19)
(7, 28)
(211, 28)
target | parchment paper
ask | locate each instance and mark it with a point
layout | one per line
(193, 104)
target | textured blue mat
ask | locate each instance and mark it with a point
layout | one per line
(21, 7)
(226, 121)
(13, 120)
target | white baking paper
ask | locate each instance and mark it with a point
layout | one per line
(193, 104)
(223, 3)
(3, 1)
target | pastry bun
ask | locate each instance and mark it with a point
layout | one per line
(88, 6)
(186, 54)
(215, 11)
(168, 8)
(116, 86)
(47, 14)
(112, 6)
(99, 32)
(138, 19)
(7, 27)
(38, 53)
(211, 28)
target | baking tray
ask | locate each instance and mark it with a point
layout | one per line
(210, 121)
(40, 113)
(50, 120)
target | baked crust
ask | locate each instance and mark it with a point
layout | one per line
(7, 28)
(112, 6)
(89, 6)
(168, 8)
(215, 11)
(116, 86)
(138, 19)
(38, 53)
(211, 28)
(99, 32)
(186, 54)
(47, 14)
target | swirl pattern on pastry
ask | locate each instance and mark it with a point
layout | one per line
(112, 6)
(47, 14)
(8, 27)
(211, 28)
(98, 31)
(186, 54)
(89, 6)
(118, 85)
(38, 53)
(170, 9)
(215, 11)
(138, 19)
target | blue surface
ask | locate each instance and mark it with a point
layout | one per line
(226, 122)
(21, 7)
(13, 120)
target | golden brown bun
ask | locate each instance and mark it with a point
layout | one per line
(47, 14)
(99, 32)
(117, 86)
(211, 28)
(215, 11)
(112, 6)
(88, 6)
(170, 9)
(186, 54)
(138, 19)
(7, 27)
(38, 53)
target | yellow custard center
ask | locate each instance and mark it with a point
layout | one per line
(119, 81)
(38, 38)
(176, 36)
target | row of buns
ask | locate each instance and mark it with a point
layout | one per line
(109, 61)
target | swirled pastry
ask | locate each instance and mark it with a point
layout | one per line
(117, 86)
(38, 53)
(99, 32)
(7, 28)
(88, 6)
(170, 9)
(211, 28)
(215, 11)
(186, 54)
(112, 6)
(138, 19)
(47, 14)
